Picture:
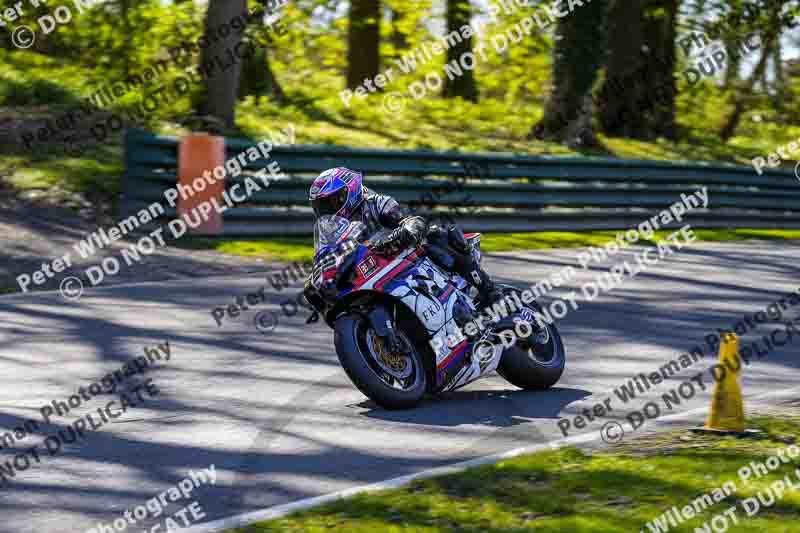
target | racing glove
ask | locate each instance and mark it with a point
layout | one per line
(314, 298)
(410, 232)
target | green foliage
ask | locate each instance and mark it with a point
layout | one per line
(96, 172)
(30, 79)
(99, 47)
(37, 92)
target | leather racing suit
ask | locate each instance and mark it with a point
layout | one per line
(445, 246)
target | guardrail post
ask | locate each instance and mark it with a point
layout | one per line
(198, 154)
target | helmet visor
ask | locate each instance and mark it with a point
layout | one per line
(331, 204)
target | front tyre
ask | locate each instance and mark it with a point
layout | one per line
(392, 381)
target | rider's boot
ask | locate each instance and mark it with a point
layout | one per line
(470, 269)
(488, 293)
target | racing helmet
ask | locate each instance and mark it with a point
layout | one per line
(337, 191)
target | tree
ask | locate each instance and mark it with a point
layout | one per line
(623, 87)
(363, 40)
(258, 79)
(745, 88)
(660, 30)
(637, 99)
(219, 63)
(577, 56)
(459, 13)
(398, 37)
(780, 92)
(769, 24)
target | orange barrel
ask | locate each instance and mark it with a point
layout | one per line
(197, 154)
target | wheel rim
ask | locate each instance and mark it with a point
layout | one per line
(542, 347)
(401, 371)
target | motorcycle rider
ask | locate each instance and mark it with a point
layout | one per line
(340, 191)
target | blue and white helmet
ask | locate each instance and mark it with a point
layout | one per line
(337, 191)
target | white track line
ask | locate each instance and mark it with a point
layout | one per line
(279, 511)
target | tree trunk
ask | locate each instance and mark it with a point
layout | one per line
(273, 87)
(637, 99)
(622, 89)
(258, 79)
(660, 30)
(219, 64)
(780, 92)
(734, 60)
(745, 91)
(399, 39)
(459, 14)
(363, 41)
(577, 56)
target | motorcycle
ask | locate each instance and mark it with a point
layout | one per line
(399, 322)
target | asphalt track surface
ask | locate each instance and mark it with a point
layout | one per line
(276, 415)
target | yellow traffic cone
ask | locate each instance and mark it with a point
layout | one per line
(727, 407)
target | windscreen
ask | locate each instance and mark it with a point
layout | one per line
(331, 229)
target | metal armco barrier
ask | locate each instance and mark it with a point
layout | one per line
(482, 192)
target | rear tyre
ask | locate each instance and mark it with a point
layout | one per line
(394, 382)
(536, 362)
(533, 366)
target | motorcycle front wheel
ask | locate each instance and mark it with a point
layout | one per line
(394, 381)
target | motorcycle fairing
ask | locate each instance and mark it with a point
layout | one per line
(387, 269)
(431, 295)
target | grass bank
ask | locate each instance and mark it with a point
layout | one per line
(569, 491)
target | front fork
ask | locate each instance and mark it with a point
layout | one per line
(381, 321)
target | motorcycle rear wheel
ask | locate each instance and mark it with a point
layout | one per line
(390, 381)
(530, 365)
(537, 367)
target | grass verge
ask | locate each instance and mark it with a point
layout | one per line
(302, 249)
(614, 491)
